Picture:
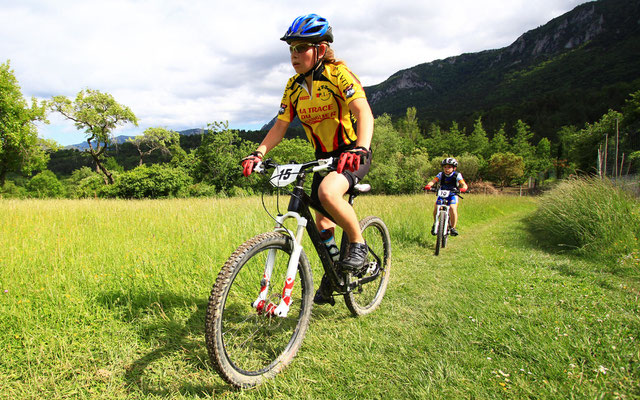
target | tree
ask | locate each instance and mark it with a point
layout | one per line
(456, 140)
(98, 114)
(153, 139)
(521, 143)
(20, 148)
(506, 167)
(478, 141)
(218, 157)
(542, 157)
(408, 126)
(499, 142)
(45, 184)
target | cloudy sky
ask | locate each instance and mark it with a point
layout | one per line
(183, 64)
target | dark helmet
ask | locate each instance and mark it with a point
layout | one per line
(450, 161)
(311, 27)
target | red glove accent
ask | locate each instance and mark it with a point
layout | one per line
(250, 161)
(463, 190)
(427, 187)
(351, 159)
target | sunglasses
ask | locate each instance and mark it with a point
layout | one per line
(301, 47)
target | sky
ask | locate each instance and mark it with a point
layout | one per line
(184, 64)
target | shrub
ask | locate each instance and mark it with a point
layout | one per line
(590, 216)
(45, 184)
(153, 182)
(12, 191)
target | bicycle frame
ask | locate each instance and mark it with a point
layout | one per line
(444, 206)
(299, 209)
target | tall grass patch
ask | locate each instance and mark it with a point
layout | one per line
(590, 216)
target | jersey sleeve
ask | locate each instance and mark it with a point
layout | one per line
(438, 177)
(287, 110)
(349, 84)
(459, 177)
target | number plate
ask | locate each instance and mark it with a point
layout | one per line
(443, 193)
(285, 174)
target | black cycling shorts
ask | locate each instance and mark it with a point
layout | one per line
(352, 177)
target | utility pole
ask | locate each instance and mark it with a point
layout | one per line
(606, 150)
(617, 140)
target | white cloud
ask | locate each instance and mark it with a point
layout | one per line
(185, 64)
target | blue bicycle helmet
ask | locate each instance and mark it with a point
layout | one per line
(309, 27)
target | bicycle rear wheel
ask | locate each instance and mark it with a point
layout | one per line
(367, 297)
(245, 346)
(440, 238)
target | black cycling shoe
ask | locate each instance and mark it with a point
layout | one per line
(355, 258)
(323, 294)
(453, 232)
(320, 299)
(433, 230)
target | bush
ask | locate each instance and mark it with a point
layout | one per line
(155, 181)
(590, 216)
(45, 184)
(12, 191)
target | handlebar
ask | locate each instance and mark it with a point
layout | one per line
(454, 191)
(323, 164)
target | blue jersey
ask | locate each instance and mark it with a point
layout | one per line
(449, 182)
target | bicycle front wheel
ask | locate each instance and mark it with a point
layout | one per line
(440, 238)
(366, 297)
(247, 346)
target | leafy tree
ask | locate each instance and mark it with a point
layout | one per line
(218, 157)
(158, 180)
(298, 150)
(561, 162)
(506, 167)
(585, 144)
(542, 157)
(456, 140)
(631, 111)
(634, 159)
(386, 138)
(20, 148)
(408, 126)
(398, 166)
(499, 142)
(153, 139)
(478, 141)
(98, 114)
(521, 142)
(469, 165)
(45, 184)
(435, 140)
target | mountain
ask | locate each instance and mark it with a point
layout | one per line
(122, 139)
(568, 71)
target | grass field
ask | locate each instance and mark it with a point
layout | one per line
(106, 299)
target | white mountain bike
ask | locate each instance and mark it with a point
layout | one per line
(260, 305)
(441, 223)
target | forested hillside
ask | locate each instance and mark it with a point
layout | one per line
(569, 71)
(563, 99)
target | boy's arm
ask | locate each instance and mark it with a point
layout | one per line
(432, 182)
(463, 185)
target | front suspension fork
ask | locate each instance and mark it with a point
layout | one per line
(260, 304)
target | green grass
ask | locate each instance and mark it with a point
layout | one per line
(106, 299)
(592, 217)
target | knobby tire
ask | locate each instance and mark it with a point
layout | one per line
(246, 347)
(367, 297)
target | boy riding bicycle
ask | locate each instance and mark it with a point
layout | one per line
(449, 179)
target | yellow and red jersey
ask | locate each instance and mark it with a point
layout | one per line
(324, 110)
